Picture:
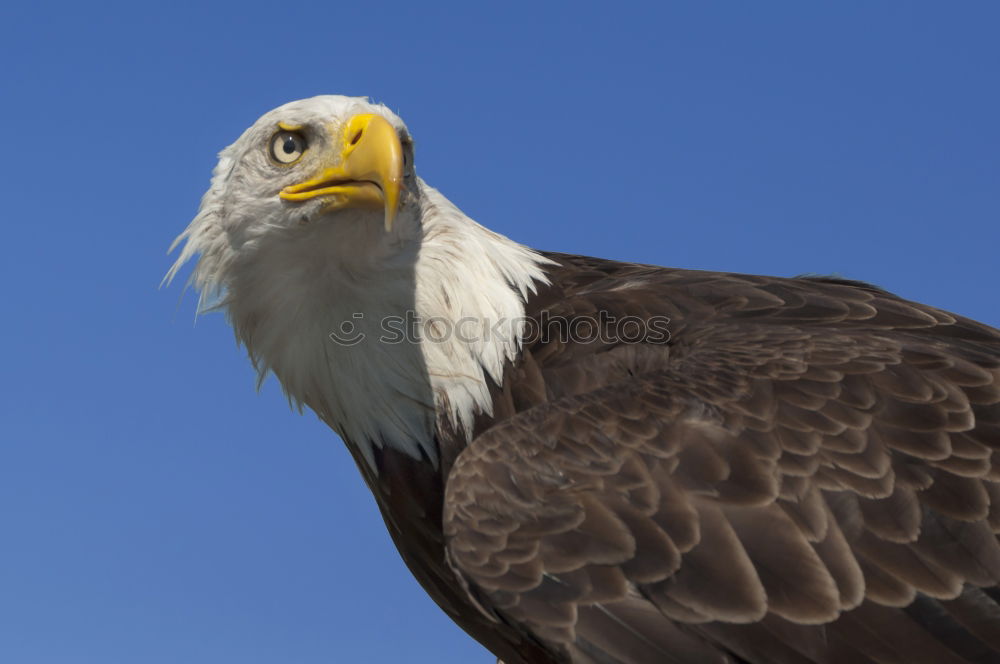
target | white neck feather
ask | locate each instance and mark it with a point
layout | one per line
(461, 283)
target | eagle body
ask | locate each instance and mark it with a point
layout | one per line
(587, 461)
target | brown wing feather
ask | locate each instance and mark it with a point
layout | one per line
(781, 482)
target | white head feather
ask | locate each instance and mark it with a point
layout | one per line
(289, 275)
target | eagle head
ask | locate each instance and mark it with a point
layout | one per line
(328, 171)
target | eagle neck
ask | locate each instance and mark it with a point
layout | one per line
(390, 339)
(471, 285)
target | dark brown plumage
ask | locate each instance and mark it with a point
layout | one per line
(806, 470)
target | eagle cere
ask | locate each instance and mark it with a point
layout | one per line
(800, 470)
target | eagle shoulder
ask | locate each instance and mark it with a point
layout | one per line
(800, 460)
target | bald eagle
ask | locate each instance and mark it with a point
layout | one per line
(598, 462)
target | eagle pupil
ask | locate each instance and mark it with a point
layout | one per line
(289, 145)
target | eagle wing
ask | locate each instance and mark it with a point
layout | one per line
(807, 471)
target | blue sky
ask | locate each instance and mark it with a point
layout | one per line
(154, 509)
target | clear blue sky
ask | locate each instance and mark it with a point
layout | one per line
(154, 509)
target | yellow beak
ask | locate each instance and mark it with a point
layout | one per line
(369, 172)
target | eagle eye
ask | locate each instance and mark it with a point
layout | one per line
(287, 146)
